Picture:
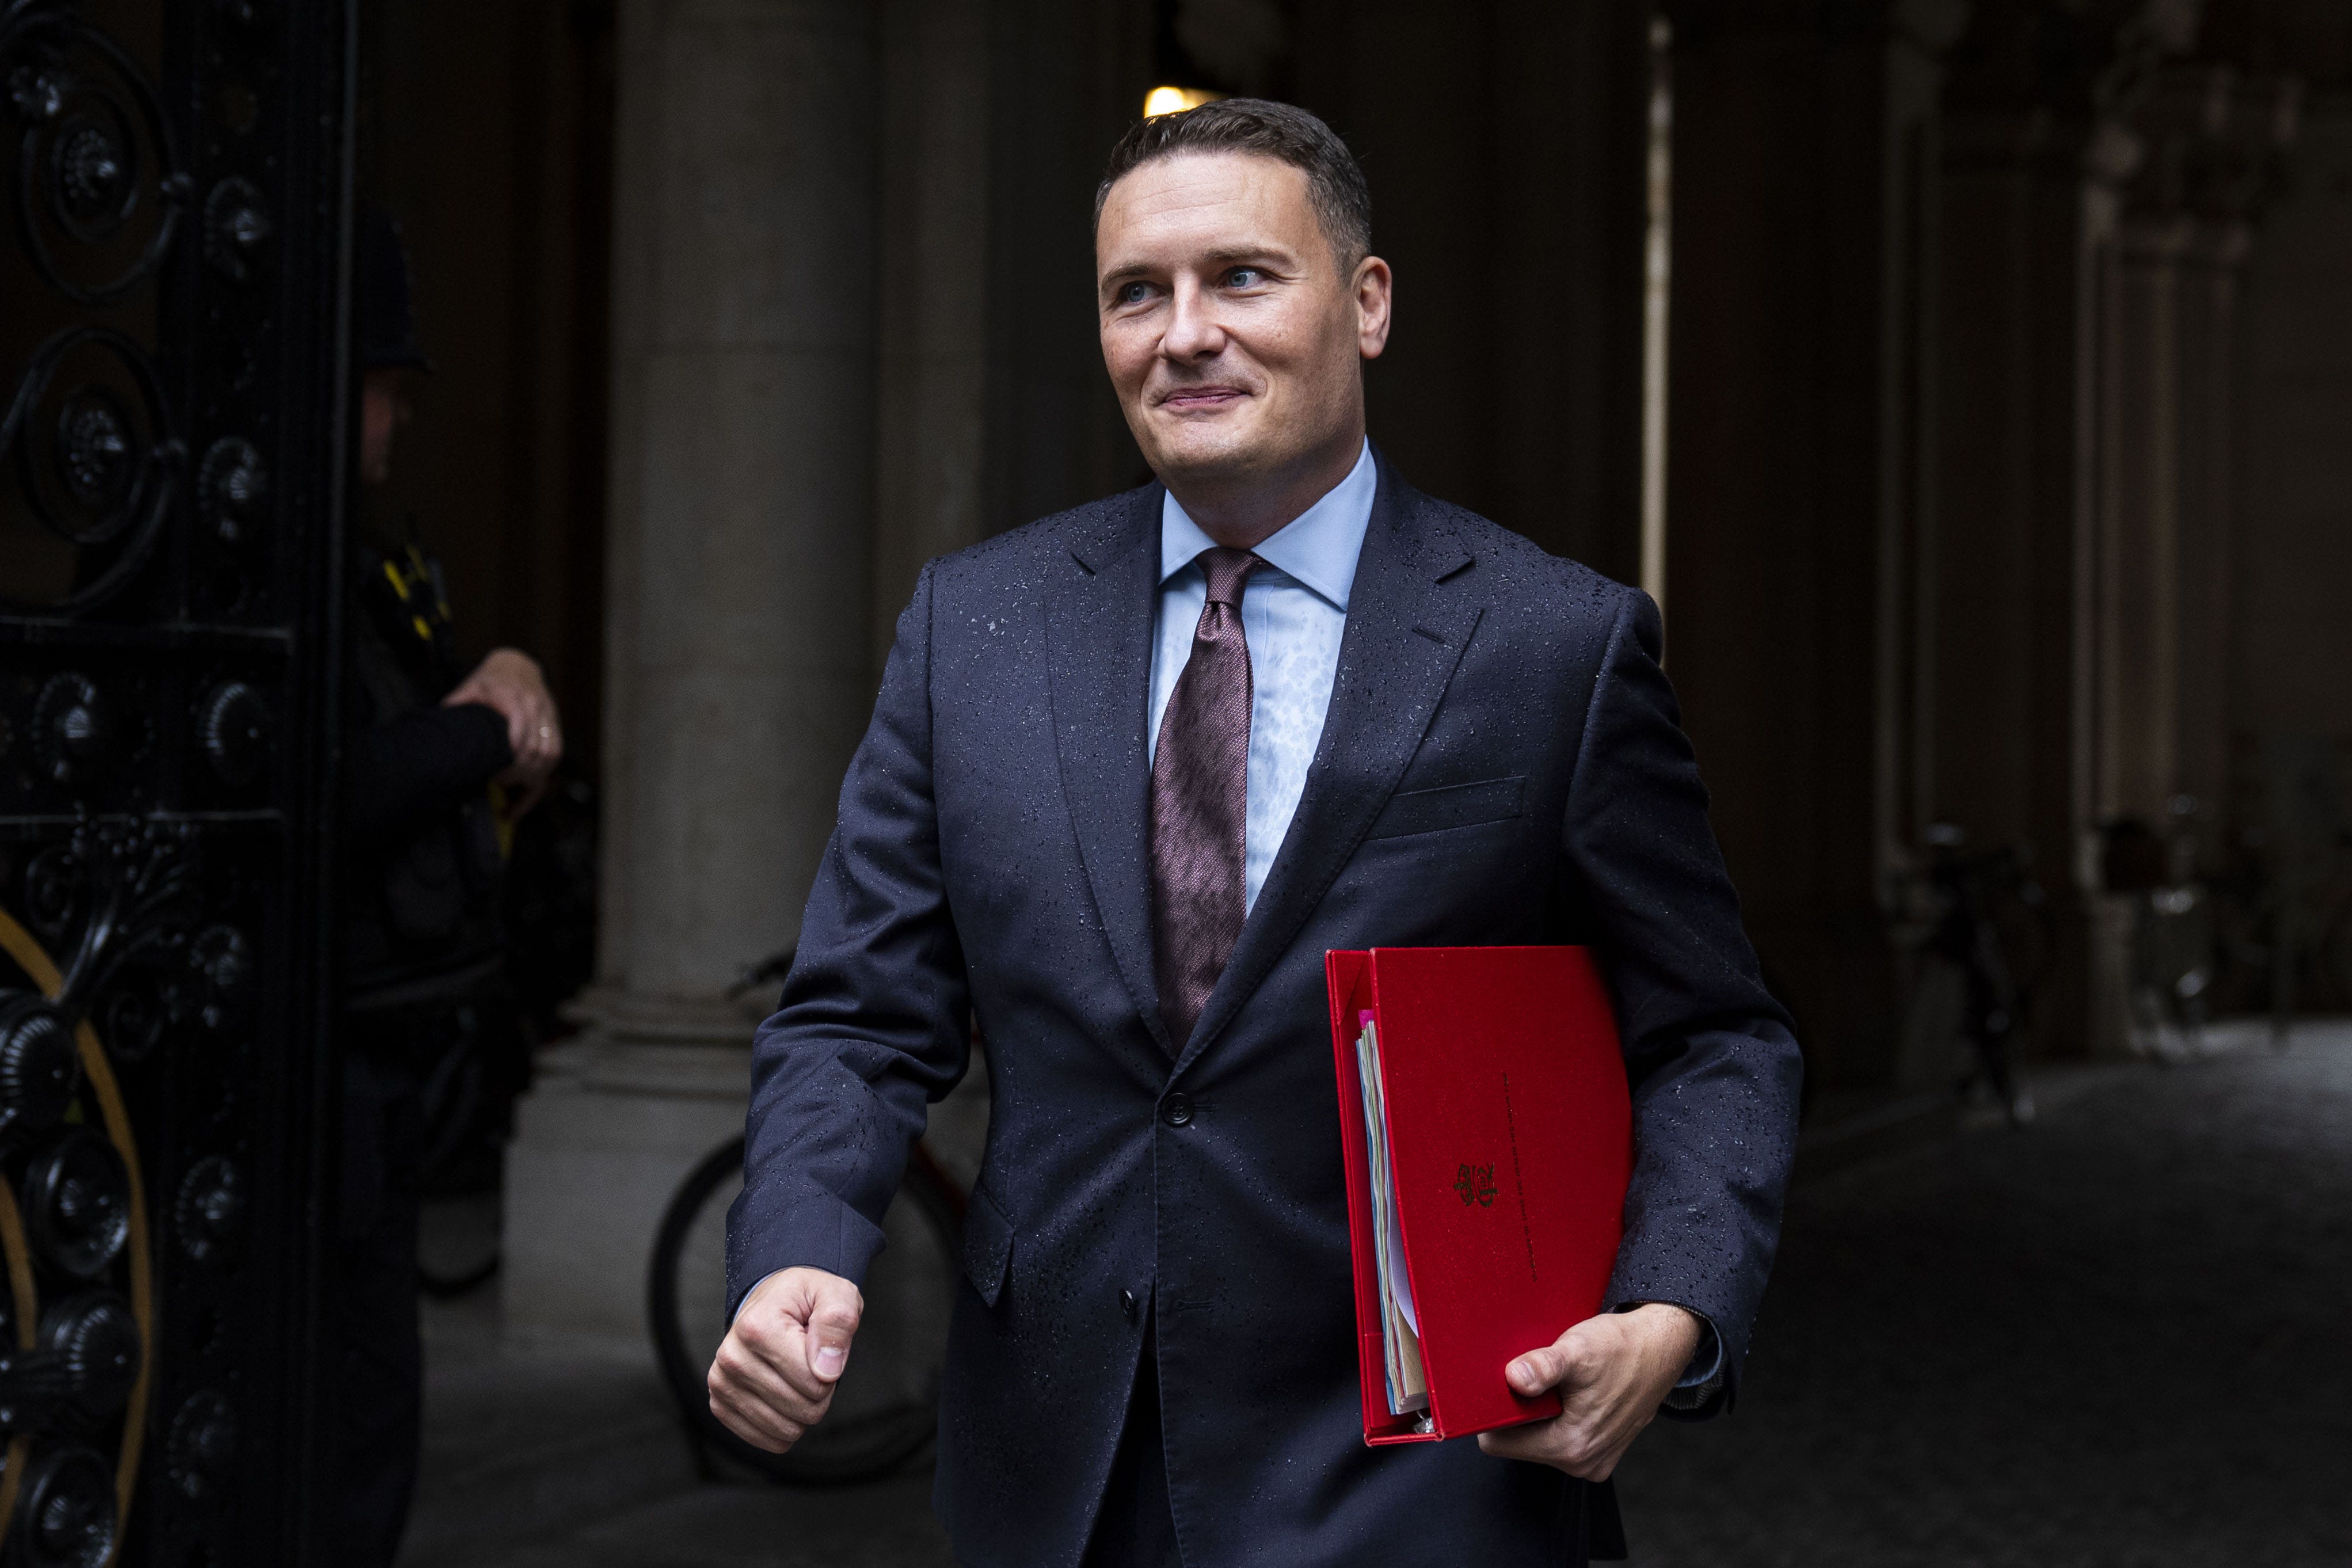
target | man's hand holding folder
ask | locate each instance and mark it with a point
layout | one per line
(1487, 1129)
(1612, 1374)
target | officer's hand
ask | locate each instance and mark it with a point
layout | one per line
(773, 1376)
(1612, 1373)
(509, 681)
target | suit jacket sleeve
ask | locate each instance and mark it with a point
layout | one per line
(1710, 1056)
(874, 1019)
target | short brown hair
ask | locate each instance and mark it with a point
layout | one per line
(1335, 180)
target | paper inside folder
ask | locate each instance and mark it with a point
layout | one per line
(1407, 1387)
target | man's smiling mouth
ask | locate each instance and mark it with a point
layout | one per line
(1192, 399)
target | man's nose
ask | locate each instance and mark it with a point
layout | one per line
(1193, 331)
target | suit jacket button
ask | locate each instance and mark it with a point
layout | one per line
(1177, 1108)
(1126, 1303)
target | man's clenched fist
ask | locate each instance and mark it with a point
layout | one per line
(773, 1376)
(1613, 1372)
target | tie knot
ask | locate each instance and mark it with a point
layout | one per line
(1228, 572)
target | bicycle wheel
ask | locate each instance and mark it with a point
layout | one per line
(886, 1408)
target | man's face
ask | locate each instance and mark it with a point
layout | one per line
(384, 409)
(1234, 342)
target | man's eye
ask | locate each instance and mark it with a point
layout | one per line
(1245, 278)
(1134, 293)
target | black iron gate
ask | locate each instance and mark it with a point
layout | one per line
(170, 473)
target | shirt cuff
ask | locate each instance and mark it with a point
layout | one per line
(1706, 1368)
(1702, 1379)
(762, 1279)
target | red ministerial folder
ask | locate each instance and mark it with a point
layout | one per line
(1509, 1142)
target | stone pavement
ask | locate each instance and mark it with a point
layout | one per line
(2115, 1339)
(2118, 1338)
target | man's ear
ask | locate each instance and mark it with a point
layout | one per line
(1372, 284)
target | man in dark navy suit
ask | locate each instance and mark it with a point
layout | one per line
(1133, 770)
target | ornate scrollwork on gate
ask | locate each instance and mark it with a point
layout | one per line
(93, 144)
(236, 228)
(78, 1334)
(100, 194)
(97, 458)
(233, 490)
(173, 262)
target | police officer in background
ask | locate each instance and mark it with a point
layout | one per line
(438, 762)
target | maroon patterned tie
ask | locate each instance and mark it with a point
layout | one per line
(1200, 798)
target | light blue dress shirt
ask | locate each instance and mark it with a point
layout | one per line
(1294, 617)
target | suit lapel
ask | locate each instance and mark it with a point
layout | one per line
(1410, 615)
(1099, 652)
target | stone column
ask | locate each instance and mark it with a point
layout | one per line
(2098, 1017)
(933, 369)
(2292, 641)
(2208, 139)
(2165, 563)
(2138, 575)
(2063, 486)
(2258, 122)
(2208, 345)
(739, 613)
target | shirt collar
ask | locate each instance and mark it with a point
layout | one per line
(1319, 547)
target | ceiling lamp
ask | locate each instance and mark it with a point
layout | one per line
(1176, 100)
